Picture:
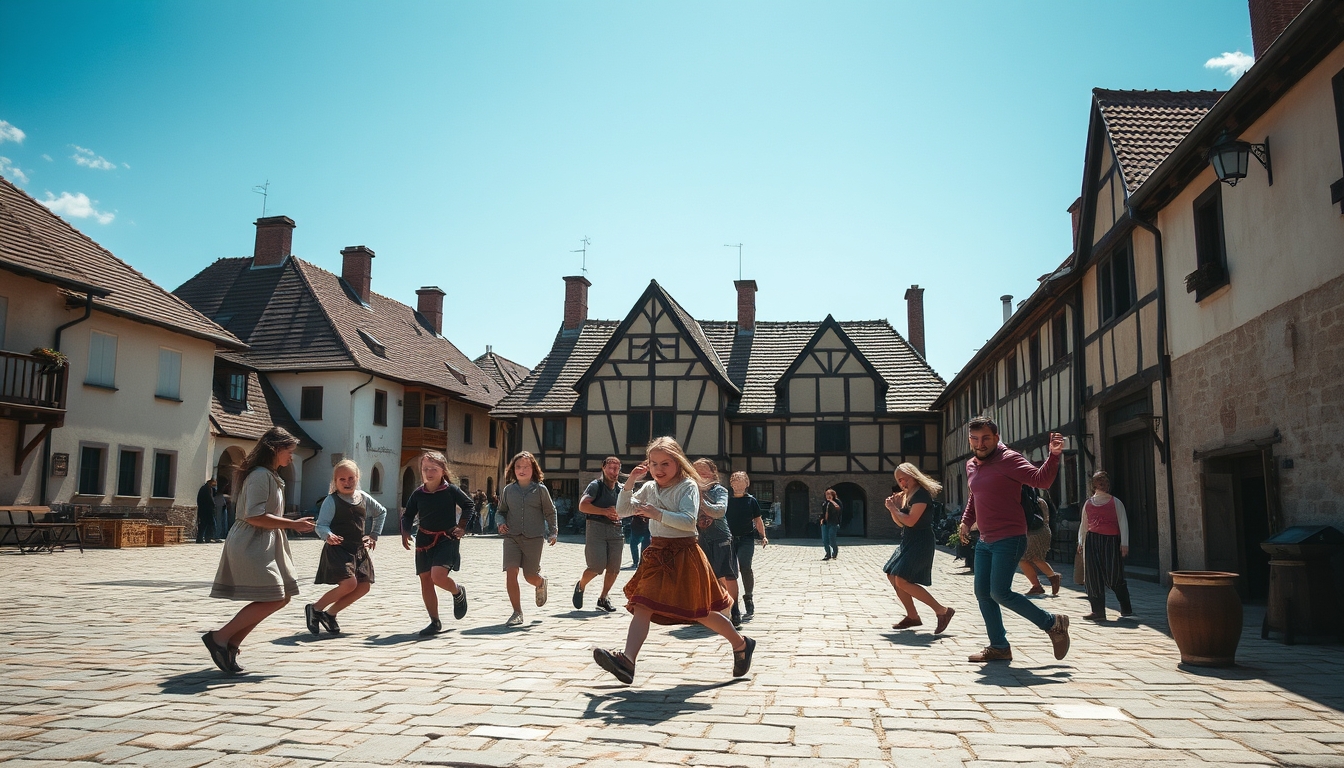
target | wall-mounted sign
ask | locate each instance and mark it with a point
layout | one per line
(60, 464)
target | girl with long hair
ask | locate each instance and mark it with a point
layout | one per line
(255, 564)
(527, 518)
(910, 568)
(716, 541)
(438, 514)
(349, 522)
(673, 584)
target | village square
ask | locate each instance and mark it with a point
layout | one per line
(646, 509)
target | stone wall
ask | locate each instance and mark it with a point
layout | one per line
(1284, 372)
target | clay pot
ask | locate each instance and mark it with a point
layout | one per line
(1204, 613)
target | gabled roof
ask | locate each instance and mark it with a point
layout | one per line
(38, 243)
(299, 317)
(504, 371)
(264, 409)
(549, 388)
(829, 324)
(1145, 126)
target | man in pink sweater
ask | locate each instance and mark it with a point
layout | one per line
(995, 477)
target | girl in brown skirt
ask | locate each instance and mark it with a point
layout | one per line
(674, 583)
(349, 522)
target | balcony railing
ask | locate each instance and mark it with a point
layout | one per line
(31, 389)
(424, 438)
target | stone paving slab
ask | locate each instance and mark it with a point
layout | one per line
(102, 664)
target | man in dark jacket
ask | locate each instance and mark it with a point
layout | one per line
(205, 512)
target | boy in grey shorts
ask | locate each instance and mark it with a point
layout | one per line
(602, 533)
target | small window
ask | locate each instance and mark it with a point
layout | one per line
(432, 416)
(1034, 355)
(237, 387)
(128, 473)
(637, 428)
(1010, 369)
(380, 407)
(310, 405)
(764, 491)
(91, 470)
(1115, 284)
(1059, 338)
(494, 434)
(664, 423)
(753, 438)
(376, 481)
(912, 439)
(170, 375)
(466, 428)
(832, 437)
(374, 345)
(553, 435)
(102, 360)
(164, 479)
(1210, 246)
(410, 414)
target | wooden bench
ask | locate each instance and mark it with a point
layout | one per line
(20, 527)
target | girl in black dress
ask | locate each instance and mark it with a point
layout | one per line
(349, 522)
(437, 515)
(910, 569)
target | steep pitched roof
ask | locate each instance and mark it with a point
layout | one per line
(34, 241)
(1145, 126)
(299, 317)
(504, 371)
(549, 388)
(263, 410)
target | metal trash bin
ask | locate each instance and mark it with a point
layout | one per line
(1304, 602)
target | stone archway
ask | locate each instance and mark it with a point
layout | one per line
(853, 509)
(229, 461)
(408, 484)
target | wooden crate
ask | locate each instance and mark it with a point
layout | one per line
(114, 534)
(154, 535)
(174, 534)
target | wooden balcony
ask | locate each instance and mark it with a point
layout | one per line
(424, 438)
(32, 391)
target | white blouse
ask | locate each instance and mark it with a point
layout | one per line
(679, 505)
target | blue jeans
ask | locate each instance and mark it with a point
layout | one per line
(829, 533)
(638, 543)
(995, 566)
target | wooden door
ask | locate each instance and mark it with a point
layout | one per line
(796, 504)
(1134, 484)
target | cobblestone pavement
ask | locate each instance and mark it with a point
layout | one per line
(102, 663)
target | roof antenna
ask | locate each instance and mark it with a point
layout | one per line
(584, 250)
(738, 246)
(264, 191)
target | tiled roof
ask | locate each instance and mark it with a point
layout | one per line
(504, 371)
(695, 330)
(1145, 126)
(754, 364)
(298, 316)
(263, 410)
(33, 240)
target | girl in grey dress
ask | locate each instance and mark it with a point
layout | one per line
(256, 565)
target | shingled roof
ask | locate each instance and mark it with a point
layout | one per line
(1145, 126)
(752, 362)
(249, 421)
(38, 243)
(504, 371)
(297, 316)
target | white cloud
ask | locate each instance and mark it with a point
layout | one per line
(10, 133)
(77, 207)
(88, 159)
(46, 157)
(11, 170)
(1233, 64)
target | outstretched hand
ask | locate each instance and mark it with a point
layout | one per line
(1056, 443)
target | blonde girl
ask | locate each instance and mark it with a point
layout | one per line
(910, 568)
(528, 519)
(348, 522)
(673, 584)
(437, 514)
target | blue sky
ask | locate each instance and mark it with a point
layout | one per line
(854, 148)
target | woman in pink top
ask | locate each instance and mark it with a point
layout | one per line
(1103, 541)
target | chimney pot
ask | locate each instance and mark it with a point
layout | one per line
(746, 305)
(430, 307)
(1076, 214)
(1007, 306)
(576, 302)
(357, 269)
(1268, 20)
(274, 235)
(914, 306)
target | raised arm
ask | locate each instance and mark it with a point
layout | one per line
(1019, 468)
(683, 517)
(714, 501)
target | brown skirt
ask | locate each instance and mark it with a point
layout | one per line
(674, 581)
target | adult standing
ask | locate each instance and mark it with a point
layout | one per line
(910, 568)
(478, 501)
(602, 540)
(746, 524)
(1103, 541)
(1038, 547)
(528, 518)
(255, 564)
(830, 525)
(205, 512)
(716, 540)
(223, 508)
(494, 509)
(995, 476)
(637, 528)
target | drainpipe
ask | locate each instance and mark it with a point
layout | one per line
(351, 440)
(46, 444)
(1164, 373)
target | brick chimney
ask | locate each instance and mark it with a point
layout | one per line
(1268, 20)
(274, 235)
(1076, 213)
(914, 307)
(746, 305)
(357, 269)
(430, 306)
(576, 302)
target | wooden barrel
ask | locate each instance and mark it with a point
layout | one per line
(1204, 613)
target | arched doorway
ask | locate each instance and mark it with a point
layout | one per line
(228, 464)
(853, 509)
(408, 484)
(796, 507)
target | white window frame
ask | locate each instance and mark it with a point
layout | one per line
(97, 376)
(175, 391)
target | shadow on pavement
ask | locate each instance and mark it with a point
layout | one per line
(208, 680)
(404, 637)
(998, 673)
(619, 705)
(692, 632)
(1311, 679)
(161, 585)
(900, 637)
(499, 629)
(304, 638)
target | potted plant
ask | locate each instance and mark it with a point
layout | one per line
(49, 359)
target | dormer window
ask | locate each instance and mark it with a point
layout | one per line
(236, 387)
(460, 376)
(377, 346)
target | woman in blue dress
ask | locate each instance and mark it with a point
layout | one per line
(910, 568)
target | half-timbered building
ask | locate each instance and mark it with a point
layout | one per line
(802, 406)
